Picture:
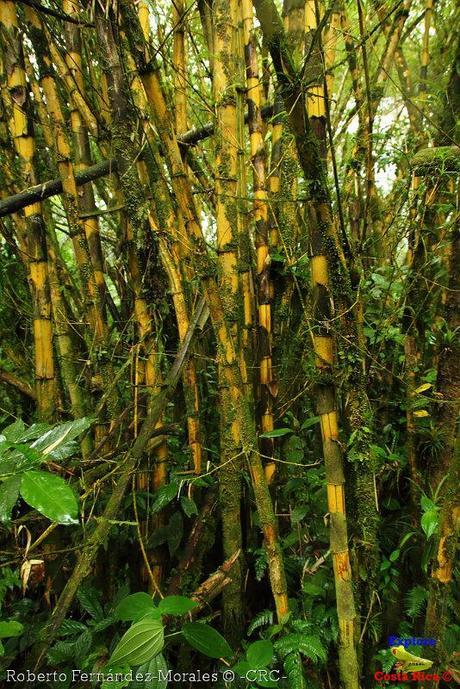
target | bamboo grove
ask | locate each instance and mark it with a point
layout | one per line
(229, 357)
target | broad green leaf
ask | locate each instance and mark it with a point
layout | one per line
(16, 458)
(427, 504)
(176, 605)
(133, 607)
(189, 506)
(142, 641)
(53, 438)
(423, 388)
(175, 532)
(9, 493)
(33, 432)
(71, 627)
(276, 433)
(207, 640)
(88, 597)
(259, 654)
(50, 495)
(151, 675)
(164, 496)
(308, 423)
(82, 646)
(14, 431)
(10, 628)
(61, 652)
(242, 668)
(298, 513)
(429, 522)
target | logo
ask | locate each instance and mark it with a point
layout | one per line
(410, 641)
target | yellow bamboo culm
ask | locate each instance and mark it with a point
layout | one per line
(67, 174)
(265, 291)
(35, 242)
(175, 259)
(227, 186)
(316, 104)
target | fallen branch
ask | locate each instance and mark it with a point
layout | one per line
(214, 584)
(191, 554)
(40, 192)
(15, 382)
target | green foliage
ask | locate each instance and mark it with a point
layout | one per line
(259, 653)
(142, 641)
(292, 664)
(415, 601)
(309, 646)
(164, 496)
(176, 605)
(262, 619)
(88, 597)
(207, 640)
(156, 670)
(134, 607)
(47, 493)
(50, 495)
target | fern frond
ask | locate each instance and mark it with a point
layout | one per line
(262, 619)
(415, 601)
(308, 645)
(292, 664)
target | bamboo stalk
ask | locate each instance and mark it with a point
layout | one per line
(181, 246)
(71, 199)
(322, 257)
(265, 295)
(132, 183)
(35, 244)
(225, 77)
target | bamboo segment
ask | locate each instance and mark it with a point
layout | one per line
(316, 100)
(175, 259)
(35, 244)
(180, 67)
(81, 142)
(425, 56)
(295, 15)
(133, 180)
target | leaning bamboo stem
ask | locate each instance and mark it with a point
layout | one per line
(132, 181)
(127, 466)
